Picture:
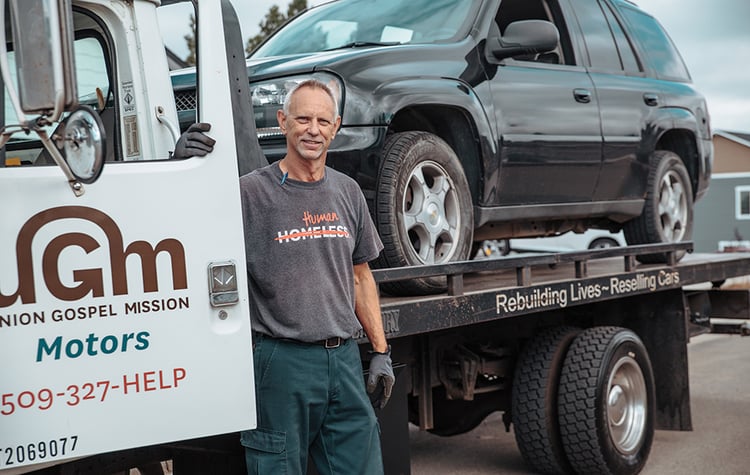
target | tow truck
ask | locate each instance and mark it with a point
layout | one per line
(124, 326)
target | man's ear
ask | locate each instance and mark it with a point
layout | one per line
(281, 118)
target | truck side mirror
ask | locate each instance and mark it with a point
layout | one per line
(84, 143)
(524, 37)
(43, 46)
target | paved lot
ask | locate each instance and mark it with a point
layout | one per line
(718, 445)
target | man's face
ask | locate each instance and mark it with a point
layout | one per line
(310, 125)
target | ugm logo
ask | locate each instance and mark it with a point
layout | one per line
(88, 280)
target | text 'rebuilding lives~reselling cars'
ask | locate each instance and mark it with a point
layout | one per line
(467, 121)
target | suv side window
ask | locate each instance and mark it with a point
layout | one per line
(660, 52)
(628, 57)
(600, 44)
(548, 10)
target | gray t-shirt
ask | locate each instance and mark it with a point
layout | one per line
(302, 240)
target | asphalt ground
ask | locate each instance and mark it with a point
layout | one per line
(719, 444)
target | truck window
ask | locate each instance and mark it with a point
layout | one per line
(657, 47)
(94, 90)
(178, 36)
(547, 10)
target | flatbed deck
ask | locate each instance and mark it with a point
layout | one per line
(486, 290)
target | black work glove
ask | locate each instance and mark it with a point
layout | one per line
(381, 378)
(194, 142)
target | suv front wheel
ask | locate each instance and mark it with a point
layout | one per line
(423, 208)
(668, 212)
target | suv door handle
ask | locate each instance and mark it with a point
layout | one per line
(582, 95)
(651, 99)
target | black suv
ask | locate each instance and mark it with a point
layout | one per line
(465, 120)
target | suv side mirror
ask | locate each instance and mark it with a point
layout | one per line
(524, 37)
(43, 46)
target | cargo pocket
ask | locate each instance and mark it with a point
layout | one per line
(265, 451)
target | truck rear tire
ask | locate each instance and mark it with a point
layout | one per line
(668, 211)
(534, 400)
(606, 402)
(423, 209)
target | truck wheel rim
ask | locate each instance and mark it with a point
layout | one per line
(431, 217)
(673, 207)
(627, 401)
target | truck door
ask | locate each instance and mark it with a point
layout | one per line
(548, 116)
(124, 310)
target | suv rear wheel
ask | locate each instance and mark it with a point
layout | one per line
(423, 208)
(668, 212)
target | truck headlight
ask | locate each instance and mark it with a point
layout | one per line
(268, 97)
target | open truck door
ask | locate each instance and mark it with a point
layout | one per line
(124, 313)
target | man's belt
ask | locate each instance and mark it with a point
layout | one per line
(333, 342)
(328, 343)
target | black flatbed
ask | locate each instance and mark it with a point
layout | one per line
(491, 289)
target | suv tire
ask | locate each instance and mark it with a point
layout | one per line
(668, 212)
(423, 209)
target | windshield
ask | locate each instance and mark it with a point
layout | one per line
(347, 23)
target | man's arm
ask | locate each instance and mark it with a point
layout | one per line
(367, 307)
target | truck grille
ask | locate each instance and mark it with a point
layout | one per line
(185, 100)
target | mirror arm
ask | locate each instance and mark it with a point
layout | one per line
(75, 185)
(59, 93)
(5, 137)
(8, 131)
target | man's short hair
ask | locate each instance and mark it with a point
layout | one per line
(313, 84)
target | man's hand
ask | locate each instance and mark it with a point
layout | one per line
(194, 142)
(381, 372)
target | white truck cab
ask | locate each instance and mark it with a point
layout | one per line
(123, 298)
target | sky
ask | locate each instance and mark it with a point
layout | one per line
(713, 37)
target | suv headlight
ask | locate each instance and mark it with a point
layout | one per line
(268, 97)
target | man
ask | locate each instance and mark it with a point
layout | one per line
(309, 238)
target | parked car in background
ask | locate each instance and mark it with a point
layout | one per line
(466, 121)
(492, 248)
(591, 239)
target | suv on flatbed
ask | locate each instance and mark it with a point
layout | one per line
(464, 120)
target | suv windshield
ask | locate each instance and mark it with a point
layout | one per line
(349, 23)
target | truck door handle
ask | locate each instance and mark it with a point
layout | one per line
(582, 95)
(651, 99)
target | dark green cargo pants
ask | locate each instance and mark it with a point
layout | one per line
(310, 398)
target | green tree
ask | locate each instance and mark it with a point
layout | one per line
(274, 19)
(190, 40)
